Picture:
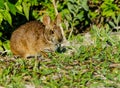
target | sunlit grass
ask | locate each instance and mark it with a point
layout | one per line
(87, 66)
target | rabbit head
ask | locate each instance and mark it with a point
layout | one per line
(52, 29)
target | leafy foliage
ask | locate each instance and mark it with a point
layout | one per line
(108, 8)
(10, 12)
(115, 22)
(76, 13)
(101, 12)
(89, 66)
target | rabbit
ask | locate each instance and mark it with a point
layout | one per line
(36, 38)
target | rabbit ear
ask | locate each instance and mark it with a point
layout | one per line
(46, 20)
(58, 19)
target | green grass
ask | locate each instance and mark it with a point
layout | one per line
(89, 66)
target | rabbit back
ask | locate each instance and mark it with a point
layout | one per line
(29, 39)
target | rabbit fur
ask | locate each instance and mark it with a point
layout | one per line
(36, 38)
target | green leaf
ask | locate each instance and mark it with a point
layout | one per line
(26, 8)
(1, 18)
(19, 6)
(72, 1)
(84, 4)
(0, 34)
(6, 45)
(70, 7)
(93, 14)
(118, 19)
(111, 23)
(80, 16)
(2, 4)
(12, 8)
(1, 49)
(65, 11)
(68, 17)
(34, 2)
(107, 28)
(7, 16)
(108, 13)
(35, 14)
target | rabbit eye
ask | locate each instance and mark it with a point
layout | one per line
(51, 32)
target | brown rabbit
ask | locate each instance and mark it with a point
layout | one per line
(35, 38)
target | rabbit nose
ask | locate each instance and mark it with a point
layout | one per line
(60, 40)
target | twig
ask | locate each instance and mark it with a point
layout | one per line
(56, 13)
(55, 7)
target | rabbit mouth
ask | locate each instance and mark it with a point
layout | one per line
(48, 50)
(54, 41)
